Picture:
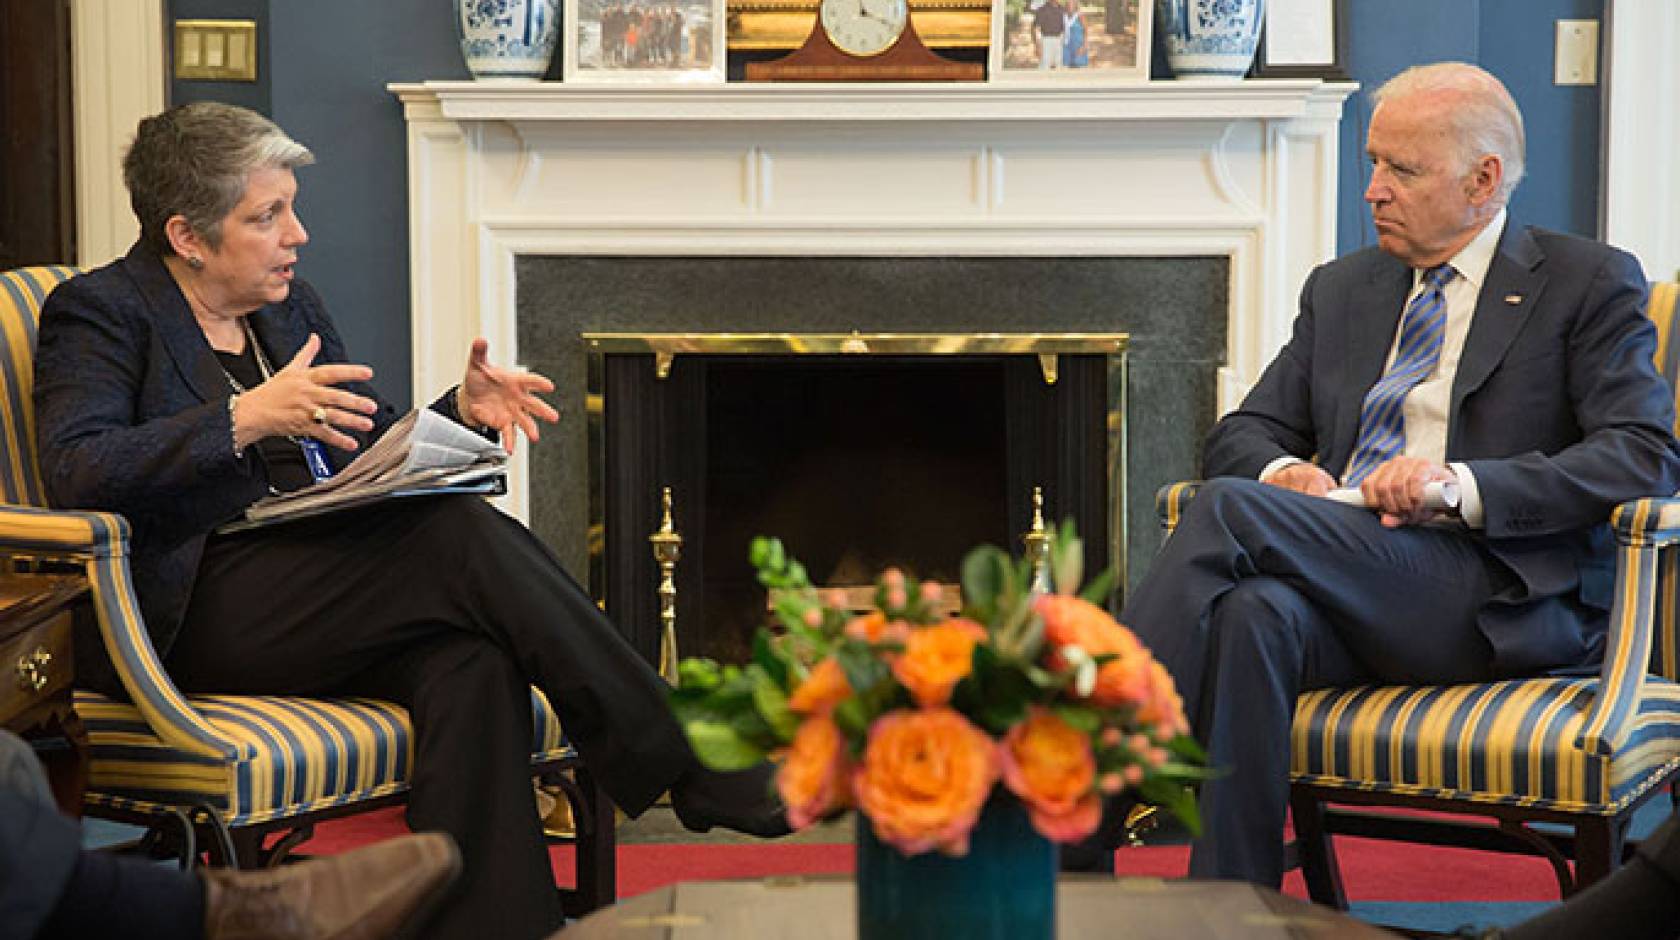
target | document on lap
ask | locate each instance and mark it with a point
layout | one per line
(423, 453)
(1438, 496)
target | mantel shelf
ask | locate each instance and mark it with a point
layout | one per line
(884, 102)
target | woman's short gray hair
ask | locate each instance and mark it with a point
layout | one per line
(1483, 120)
(194, 161)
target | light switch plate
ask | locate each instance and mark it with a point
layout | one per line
(216, 50)
(1577, 53)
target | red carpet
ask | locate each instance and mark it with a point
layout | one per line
(1372, 871)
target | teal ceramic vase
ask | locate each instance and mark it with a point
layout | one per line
(1005, 887)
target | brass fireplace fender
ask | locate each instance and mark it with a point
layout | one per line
(665, 347)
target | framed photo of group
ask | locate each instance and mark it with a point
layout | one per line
(1070, 40)
(643, 41)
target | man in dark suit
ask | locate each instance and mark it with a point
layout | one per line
(1514, 365)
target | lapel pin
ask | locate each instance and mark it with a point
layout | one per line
(1513, 299)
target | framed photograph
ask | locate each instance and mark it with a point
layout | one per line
(1302, 39)
(1070, 40)
(643, 41)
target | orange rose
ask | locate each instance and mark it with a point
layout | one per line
(823, 689)
(1163, 708)
(1071, 621)
(925, 776)
(1048, 764)
(874, 627)
(813, 777)
(936, 658)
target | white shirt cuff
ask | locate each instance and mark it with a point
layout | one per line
(1278, 464)
(1469, 497)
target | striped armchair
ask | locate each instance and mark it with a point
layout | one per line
(240, 768)
(1495, 759)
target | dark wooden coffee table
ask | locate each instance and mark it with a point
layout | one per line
(822, 908)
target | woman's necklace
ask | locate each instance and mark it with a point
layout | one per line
(314, 455)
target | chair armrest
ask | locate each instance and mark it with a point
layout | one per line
(1171, 501)
(99, 541)
(1643, 528)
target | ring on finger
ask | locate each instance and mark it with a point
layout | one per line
(319, 415)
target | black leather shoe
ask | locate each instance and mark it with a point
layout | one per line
(744, 801)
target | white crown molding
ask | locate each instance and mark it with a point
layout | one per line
(1244, 171)
(1642, 134)
(117, 52)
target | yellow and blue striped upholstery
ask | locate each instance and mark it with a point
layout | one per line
(254, 759)
(22, 292)
(299, 755)
(1590, 745)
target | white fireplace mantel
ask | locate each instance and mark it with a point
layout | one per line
(1245, 171)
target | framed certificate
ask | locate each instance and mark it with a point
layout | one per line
(1302, 39)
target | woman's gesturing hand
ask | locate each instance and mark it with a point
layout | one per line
(301, 400)
(504, 399)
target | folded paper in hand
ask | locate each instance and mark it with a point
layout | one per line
(1440, 496)
(424, 452)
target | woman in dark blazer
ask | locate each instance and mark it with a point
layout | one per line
(186, 380)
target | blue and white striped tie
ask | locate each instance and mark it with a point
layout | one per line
(1382, 425)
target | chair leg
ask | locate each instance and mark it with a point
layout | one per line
(1598, 848)
(597, 848)
(1317, 855)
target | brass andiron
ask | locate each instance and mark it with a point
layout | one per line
(667, 548)
(1037, 542)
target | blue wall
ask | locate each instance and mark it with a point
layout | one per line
(324, 64)
(1514, 40)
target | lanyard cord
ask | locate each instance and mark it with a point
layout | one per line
(262, 360)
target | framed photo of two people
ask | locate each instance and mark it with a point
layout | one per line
(1070, 40)
(643, 41)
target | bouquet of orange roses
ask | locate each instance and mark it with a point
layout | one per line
(914, 718)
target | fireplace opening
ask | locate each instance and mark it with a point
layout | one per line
(856, 465)
(859, 451)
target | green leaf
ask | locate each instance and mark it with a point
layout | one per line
(1079, 718)
(768, 659)
(1101, 587)
(772, 705)
(720, 747)
(1176, 799)
(986, 579)
(1067, 559)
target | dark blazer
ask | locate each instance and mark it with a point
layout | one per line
(131, 417)
(1556, 407)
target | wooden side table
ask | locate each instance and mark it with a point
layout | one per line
(36, 666)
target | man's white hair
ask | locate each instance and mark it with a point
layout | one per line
(1484, 119)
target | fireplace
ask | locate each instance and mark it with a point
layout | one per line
(858, 450)
(1184, 216)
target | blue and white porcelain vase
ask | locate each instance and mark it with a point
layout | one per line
(1209, 40)
(508, 39)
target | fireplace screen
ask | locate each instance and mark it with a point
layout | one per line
(858, 451)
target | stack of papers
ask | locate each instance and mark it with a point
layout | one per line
(423, 453)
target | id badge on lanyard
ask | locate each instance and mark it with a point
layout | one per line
(315, 455)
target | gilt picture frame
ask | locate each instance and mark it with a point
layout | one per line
(643, 41)
(1099, 41)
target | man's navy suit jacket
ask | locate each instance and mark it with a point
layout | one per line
(132, 417)
(1557, 409)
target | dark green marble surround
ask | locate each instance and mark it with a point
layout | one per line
(1174, 308)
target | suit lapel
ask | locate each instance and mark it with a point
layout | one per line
(176, 326)
(1370, 337)
(1508, 297)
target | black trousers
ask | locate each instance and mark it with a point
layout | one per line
(1261, 594)
(450, 608)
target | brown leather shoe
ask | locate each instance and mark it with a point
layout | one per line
(366, 894)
